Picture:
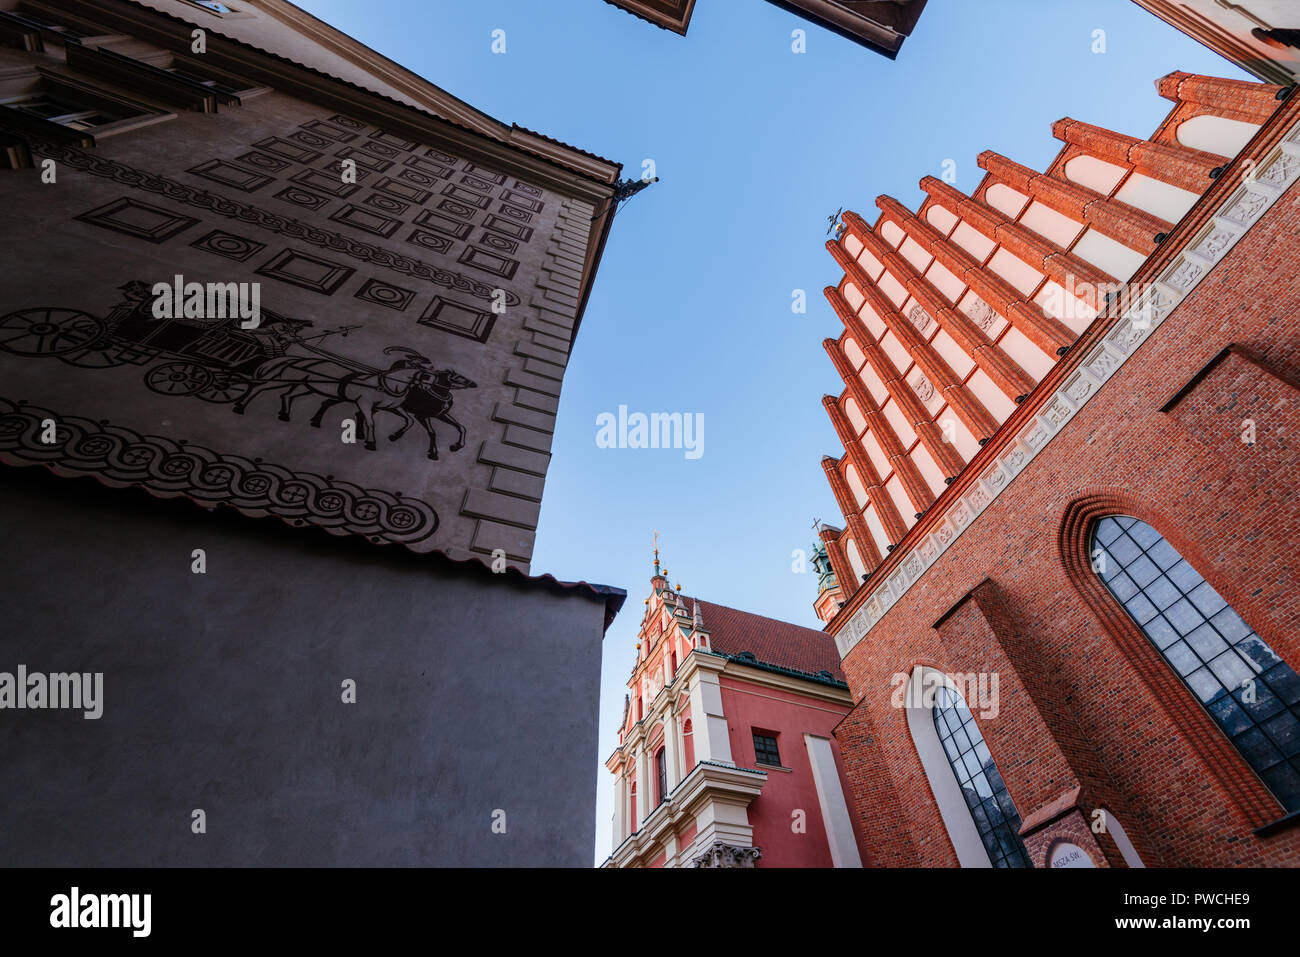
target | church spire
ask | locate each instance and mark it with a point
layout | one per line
(659, 580)
(829, 593)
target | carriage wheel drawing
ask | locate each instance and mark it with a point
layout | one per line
(48, 331)
(225, 387)
(101, 356)
(178, 378)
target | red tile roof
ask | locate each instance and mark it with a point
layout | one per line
(772, 642)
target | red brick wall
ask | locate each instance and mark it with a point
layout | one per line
(1085, 698)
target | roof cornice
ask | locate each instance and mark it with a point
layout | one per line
(545, 161)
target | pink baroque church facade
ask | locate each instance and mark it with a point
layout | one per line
(727, 754)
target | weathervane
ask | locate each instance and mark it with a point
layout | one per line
(836, 225)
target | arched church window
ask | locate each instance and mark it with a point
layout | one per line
(1249, 691)
(987, 798)
(661, 770)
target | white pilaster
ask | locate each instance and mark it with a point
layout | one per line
(712, 743)
(671, 849)
(835, 810)
(670, 748)
(620, 809)
(644, 788)
(627, 806)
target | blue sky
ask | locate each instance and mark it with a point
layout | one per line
(691, 310)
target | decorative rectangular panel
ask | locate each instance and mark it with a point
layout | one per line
(501, 266)
(262, 161)
(467, 196)
(385, 294)
(387, 204)
(429, 167)
(228, 174)
(443, 224)
(458, 319)
(306, 270)
(302, 197)
(321, 128)
(293, 151)
(139, 219)
(519, 199)
(324, 181)
(369, 220)
(434, 241)
(373, 163)
(509, 227)
(391, 140)
(221, 243)
(402, 190)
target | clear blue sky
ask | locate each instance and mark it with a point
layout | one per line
(691, 309)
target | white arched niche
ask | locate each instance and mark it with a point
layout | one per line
(1215, 134)
(1126, 848)
(919, 702)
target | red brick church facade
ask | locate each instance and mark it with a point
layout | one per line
(1071, 435)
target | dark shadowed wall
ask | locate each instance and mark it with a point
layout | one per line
(222, 691)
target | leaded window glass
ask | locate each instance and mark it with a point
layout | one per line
(987, 798)
(1249, 691)
(766, 750)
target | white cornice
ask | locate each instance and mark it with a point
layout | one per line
(789, 683)
(665, 700)
(706, 782)
(786, 682)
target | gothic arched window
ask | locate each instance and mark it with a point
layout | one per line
(1249, 691)
(982, 786)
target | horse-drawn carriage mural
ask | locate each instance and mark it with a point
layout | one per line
(218, 361)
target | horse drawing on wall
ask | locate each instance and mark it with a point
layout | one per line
(409, 388)
(339, 380)
(218, 359)
(430, 397)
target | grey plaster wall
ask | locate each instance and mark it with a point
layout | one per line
(222, 691)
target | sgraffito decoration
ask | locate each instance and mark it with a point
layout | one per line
(219, 361)
(324, 222)
(169, 467)
(284, 225)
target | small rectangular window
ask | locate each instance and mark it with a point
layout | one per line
(193, 77)
(217, 8)
(64, 110)
(44, 22)
(765, 750)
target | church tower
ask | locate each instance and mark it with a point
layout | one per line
(829, 594)
(726, 754)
